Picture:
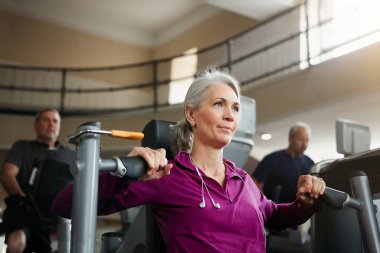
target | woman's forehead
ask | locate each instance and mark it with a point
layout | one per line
(222, 90)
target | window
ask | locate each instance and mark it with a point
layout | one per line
(339, 27)
(182, 72)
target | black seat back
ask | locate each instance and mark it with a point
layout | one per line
(157, 134)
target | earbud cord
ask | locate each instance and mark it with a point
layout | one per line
(216, 205)
(203, 191)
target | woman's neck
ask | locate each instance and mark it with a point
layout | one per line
(209, 160)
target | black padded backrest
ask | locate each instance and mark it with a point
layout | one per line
(158, 134)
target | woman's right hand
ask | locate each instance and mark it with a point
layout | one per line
(156, 159)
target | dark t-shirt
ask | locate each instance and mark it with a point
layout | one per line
(279, 172)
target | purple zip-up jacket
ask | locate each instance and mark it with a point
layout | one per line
(237, 226)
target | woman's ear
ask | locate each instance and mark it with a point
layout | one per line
(189, 114)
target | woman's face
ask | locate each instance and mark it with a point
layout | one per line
(217, 117)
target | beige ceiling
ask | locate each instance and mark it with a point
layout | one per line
(141, 22)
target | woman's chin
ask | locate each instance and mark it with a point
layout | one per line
(224, 143)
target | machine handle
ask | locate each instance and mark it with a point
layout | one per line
(114, 133)
(338, 200)
(130, 167)
(335, 199)
(135, 167)
(127, 134)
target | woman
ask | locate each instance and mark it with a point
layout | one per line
(201, 201)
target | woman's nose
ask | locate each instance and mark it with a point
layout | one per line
(229, 114)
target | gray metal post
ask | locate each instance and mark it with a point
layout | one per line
(368, 223)
(64, 230)
(86, 172)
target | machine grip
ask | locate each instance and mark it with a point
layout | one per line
(335, 199)
(136, 166)
(127, 134)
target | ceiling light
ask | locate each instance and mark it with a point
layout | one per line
(266, 137)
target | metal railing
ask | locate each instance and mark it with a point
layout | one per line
(253, 56)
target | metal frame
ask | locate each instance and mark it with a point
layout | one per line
(86, 170)
(363, 204)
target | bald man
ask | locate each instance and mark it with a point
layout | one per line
(277, 174)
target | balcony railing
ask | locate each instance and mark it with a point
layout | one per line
(284, 44)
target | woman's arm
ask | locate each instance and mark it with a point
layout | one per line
(298, 212)
(116, 194)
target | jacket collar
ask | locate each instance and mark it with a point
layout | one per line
(182, 159)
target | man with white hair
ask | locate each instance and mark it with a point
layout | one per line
(277, 174)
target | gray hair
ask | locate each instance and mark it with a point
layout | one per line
(182, 131)
(300, 125)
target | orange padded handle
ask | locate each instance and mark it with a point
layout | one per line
(127, 134)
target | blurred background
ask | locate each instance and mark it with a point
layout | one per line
(124, 63)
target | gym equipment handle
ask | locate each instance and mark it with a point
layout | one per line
(335, 199)
(338, 200)
(127, 134)
(135, 166)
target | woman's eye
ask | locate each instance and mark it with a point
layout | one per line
(236, 109)
(218, 104)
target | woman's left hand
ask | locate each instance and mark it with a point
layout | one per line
(309, 189)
